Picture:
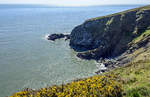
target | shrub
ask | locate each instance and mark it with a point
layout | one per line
(96, 86)
(138, 92)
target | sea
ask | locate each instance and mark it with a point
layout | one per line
(28, 60)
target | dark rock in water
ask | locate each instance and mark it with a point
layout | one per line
(109, 36)
(53, 37)
(88, 55)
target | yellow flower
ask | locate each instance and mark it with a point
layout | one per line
(91, 87)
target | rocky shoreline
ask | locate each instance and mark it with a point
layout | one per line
(109, 39)
(117, 40)
(109, 36)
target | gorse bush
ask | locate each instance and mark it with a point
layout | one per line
(96, 86)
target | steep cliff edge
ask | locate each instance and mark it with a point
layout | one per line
(110, 36)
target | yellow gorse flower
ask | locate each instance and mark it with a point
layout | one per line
(96, 86)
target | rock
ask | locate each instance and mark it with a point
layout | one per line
(101, 71)
(109, 36)
(53, 37)
(86, 55)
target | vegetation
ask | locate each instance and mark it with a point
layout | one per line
(110, 21)
(136, 78)
(144, 34)
(135, 75)
(131, 80)
(121, 13)
(96, 86)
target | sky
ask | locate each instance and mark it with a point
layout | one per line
(75, 2)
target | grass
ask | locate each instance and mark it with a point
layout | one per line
(110, 21)
(138, 92)
(136, 78)
(121, 13)
(144, 34)
(135, 75)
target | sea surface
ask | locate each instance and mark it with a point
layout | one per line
(28, 60)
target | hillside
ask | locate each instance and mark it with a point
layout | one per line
(110, 36)
(124, 37)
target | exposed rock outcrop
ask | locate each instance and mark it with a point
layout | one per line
(109, 36)
(53, 37)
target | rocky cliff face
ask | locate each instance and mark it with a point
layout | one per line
(109, 36)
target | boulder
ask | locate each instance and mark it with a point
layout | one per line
(53, 37)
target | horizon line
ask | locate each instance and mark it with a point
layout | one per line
(68, 5)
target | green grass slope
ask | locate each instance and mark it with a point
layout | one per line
(136, 74)
(123, 12)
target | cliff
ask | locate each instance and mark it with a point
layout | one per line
(125, 36)
(112, 35)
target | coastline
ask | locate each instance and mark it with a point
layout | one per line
(117, 66)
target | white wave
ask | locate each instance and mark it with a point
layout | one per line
(66, 33)
(45, 37)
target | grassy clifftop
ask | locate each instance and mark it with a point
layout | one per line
(123, 12)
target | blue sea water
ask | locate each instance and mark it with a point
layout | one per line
(28, 60)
